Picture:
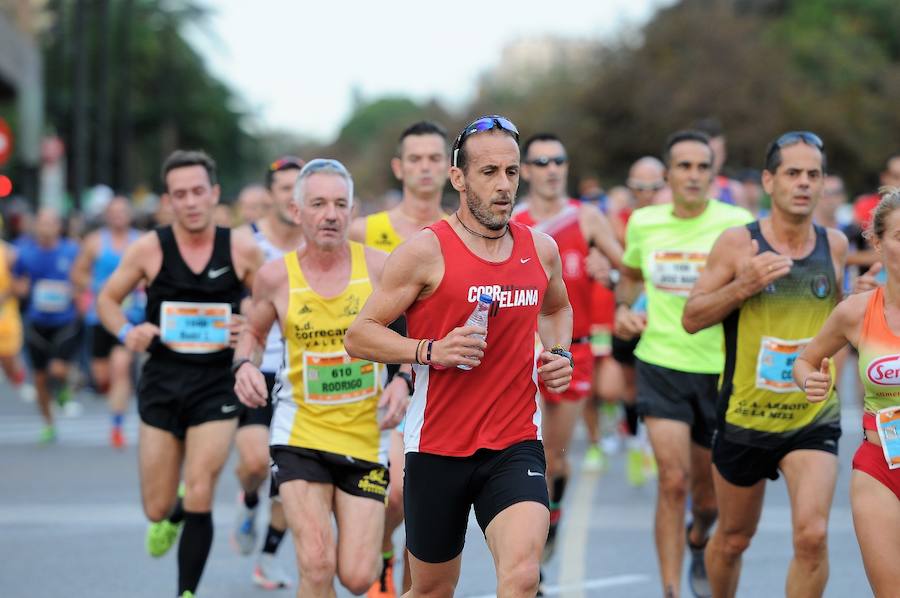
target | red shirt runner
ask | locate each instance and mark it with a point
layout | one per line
(565, 228)
(455, 412)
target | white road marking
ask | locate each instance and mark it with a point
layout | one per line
(574, 534)
(588, 584)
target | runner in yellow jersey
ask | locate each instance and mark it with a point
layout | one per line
(10, 320)
(421, 165)
(772, 284)
(328, 447)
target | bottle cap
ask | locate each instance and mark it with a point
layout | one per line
(485, 298)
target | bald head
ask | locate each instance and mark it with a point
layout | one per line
(646, 178)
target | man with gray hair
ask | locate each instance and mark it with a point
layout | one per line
(329, 430)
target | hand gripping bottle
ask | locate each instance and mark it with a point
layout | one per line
(479, 317)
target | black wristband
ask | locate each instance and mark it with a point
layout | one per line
(237, 363)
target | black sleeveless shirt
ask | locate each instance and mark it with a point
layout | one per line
(216, 283)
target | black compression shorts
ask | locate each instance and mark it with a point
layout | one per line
(438, 492)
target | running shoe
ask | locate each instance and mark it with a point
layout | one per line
(117, 438)
(594, 460)
(698, 580)
(635, 470)
(63, 396)
(48, 435)
(244, 534)
(161, 536)
(550, 546)
(268, 573)
(384, 585)
(187, 594)
(27, 393)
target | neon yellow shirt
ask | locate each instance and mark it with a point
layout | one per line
(671, 252)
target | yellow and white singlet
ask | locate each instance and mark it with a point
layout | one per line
(326, 400)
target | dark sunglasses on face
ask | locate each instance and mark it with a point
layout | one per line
(543, 161)
(485, 123)
(637, 186)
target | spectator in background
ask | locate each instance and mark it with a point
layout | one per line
(590, 190)
(223, 215)
(865, 204)
(723, 188)
(253, 202)
(755, 198)
(864, 256)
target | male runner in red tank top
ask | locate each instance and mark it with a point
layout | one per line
(575, 226)
(472, 437)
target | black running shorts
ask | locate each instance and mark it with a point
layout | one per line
(353, 476)
(46, 343)
(745, 465)
(259, 416)
(681, 396)
(623, 351)
(175, 396)
(102, 342)
(438, 492)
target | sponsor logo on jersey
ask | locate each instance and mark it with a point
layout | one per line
(820, 285)
(884, 371)
(505, 296)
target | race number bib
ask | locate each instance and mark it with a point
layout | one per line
(337, 378)
(775, 361)
(52, 296)
(194, 327)
(676, 272)
(887, 422)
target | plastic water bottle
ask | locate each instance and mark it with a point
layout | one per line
(640, 304)
(479, 317)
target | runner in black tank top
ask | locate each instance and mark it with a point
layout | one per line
(179, 389)
(195, 275)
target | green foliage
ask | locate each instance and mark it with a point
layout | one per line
(161, 96)
(760, 66)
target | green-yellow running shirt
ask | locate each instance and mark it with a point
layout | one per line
(759, 404)
(671, 252)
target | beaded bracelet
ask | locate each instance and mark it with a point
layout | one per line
(419, 350)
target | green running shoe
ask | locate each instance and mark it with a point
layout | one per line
(48, 435)
(63, 396)
(161, 535)
(594, 460)
(187, 594)
(635, 470)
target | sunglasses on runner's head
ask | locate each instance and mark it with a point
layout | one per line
(286, 162)
(793, 137)
(544, 161)
(636, 186)
(485, 123)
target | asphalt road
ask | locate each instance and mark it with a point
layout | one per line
(71, 525)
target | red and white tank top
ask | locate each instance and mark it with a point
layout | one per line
(455, 412)
(565, 228)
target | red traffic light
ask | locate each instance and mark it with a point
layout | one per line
(5, 185)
